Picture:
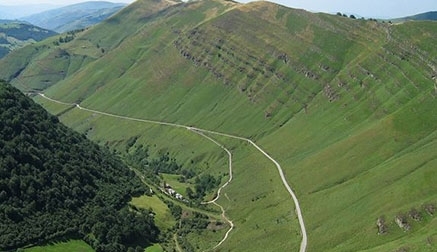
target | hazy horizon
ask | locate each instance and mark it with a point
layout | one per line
(367, 9)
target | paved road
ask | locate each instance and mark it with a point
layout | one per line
(304, 241)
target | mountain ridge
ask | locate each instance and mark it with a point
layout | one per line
(18, 11)
(75, 16)
(346, 106)
(430, 16)
(16, 34)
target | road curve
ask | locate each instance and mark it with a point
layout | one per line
(304, 241)
(231, 224)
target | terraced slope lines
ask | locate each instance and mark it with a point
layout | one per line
(347, 107)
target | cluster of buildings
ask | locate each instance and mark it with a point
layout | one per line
(170, 191)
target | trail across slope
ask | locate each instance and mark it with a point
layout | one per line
(304, 241)
(214, 201)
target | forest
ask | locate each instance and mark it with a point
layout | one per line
(55, 184)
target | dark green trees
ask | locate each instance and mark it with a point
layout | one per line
(54, 183)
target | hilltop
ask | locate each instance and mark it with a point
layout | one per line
(73, 17)
(16, 34)
(346, 106)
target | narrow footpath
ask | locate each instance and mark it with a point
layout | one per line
(214, 201)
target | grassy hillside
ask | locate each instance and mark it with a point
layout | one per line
(62, 246)
(346, 106)
(16, 34)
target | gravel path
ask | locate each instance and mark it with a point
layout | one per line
(203, 133)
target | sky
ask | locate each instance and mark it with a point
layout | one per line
(366, 8)
(362, 8)
(55, 2)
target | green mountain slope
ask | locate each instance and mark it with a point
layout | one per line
(346, 106)
(15, 34)
(74, 17)
(56, 184)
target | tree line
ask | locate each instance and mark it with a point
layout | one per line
(56, 184)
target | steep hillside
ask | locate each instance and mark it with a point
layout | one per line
(55, 184)
(15, 34)
(55, 59)
(76, 16)
(348, 107)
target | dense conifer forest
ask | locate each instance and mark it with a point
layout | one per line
(56, 184)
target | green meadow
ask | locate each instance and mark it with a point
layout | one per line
(73, 246)
(347, 107)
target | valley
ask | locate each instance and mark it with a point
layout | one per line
(203, 132)
(328, 122)
(16, 34)
(74, 17)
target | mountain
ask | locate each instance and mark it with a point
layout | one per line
(347, 108)
(432, 15)
(18, 11)
(56, 184)
(76, 16)
(16, 34)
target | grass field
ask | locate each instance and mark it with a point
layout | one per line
(163, 218)
(347, 107)
(154, 248)
(173, 181)
(73, 246)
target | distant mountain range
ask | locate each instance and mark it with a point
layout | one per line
(346, 106)
(76, 16)
(18, 11)
(16, 34)
(432, 15)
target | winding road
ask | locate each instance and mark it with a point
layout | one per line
(214, 201)
(203, 132)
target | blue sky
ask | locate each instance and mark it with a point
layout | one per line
(366, 8)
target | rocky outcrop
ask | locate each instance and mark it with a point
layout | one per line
(430, 209)
(382, 227)
(402, 222)
(329, 92)
(415, 214)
